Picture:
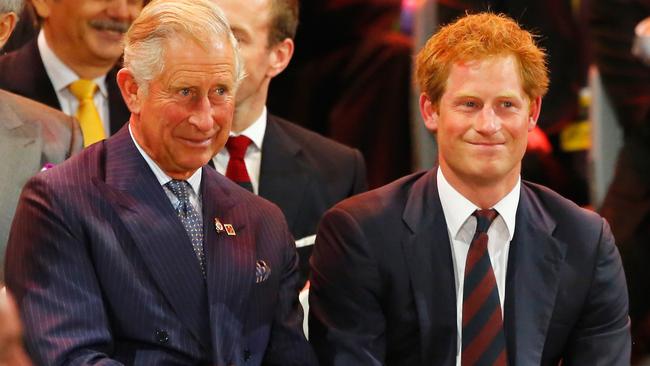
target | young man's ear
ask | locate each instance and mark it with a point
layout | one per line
(129, 89)
(429, 112)
(533, 113)
(7, 24)
(280, 55)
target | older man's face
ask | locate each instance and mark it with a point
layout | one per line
(87, 31)
(185, 117)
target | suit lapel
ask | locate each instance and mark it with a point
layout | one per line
(230, 263)
(428, 255)
(22, 137)
(283, 176)
(532, 281)
(21, 148)
(143, 207)
(33, 82)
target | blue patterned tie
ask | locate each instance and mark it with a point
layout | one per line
(189, 217)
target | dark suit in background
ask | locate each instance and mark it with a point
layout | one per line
(382, 291)
(627, 205)
(31, 135)
(305, 174)
(22, 72)
(351, 83)
(112, 269)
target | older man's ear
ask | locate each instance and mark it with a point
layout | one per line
(129, 88)
(7, 24)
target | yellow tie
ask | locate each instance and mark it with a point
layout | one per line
(91, 125)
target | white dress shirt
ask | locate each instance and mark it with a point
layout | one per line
(253, 156)
(163, 178)
(62, 76)
(461, 226)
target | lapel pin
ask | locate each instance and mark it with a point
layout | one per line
(218, 225)
(229, 229)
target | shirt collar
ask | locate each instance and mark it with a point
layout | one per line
(59, 73)
(163, 178)
(457, 209)
(256, 131)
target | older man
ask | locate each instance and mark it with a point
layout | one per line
(133, 252)
(71, 66)
(467, 264)
(32, 136)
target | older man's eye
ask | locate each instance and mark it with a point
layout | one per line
(186, 92)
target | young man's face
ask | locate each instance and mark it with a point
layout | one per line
(482, 122)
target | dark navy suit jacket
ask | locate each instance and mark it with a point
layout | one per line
(102, 269)
(22, 72)
(382, 287)
(305, 174)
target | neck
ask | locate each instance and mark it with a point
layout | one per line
(83, 68)
(484, 193)
(248, 110)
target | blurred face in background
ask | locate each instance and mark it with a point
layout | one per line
(250, 22)
(87, 32)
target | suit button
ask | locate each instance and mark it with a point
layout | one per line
(161, 336)
(247, 355)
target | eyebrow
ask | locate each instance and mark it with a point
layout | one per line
(507, 94)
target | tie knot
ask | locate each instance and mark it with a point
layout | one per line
(237, 146)
(180, 189)
(83, 89)
(484, 219)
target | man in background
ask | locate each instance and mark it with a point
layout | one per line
(134, 251)
(626, 80)
(299, 170)
(32, 136)
(72, 64)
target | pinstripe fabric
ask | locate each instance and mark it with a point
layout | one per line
(102, 267)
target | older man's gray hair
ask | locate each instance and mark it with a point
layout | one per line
(160, 20)
(11, 6)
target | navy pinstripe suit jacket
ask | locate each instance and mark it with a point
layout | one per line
(103, 270)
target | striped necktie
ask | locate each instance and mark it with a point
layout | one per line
(89, 120)
(189, 217)
(483, 337)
